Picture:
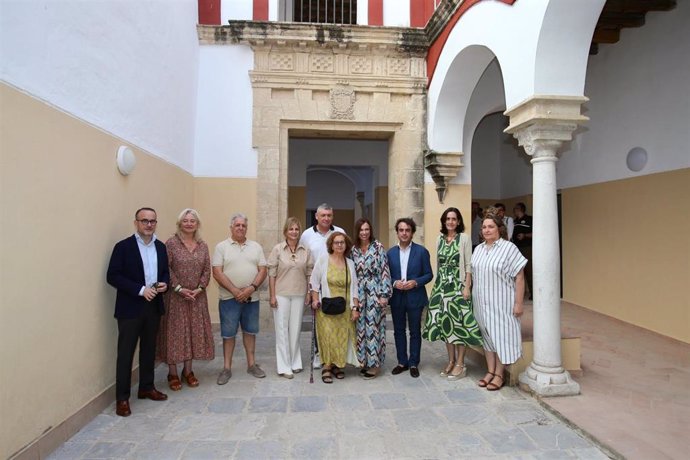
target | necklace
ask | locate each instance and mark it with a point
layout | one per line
(292, 251)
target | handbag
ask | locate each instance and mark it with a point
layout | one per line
(335, 305)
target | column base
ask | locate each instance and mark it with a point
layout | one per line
(549, 382)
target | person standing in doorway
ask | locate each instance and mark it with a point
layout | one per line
(410, 267)
(314, 239)
(522, 238)
(239, 267)
(507, 220)
(138, 269)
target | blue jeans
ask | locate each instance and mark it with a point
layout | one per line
(234, 314)
(404, 316)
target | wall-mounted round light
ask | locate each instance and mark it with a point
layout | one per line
(126, 161)
(636, 159)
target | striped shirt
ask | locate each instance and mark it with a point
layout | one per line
(493, 296)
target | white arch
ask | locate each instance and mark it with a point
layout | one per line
(542, 48)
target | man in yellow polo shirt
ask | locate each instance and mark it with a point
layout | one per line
(239, 267)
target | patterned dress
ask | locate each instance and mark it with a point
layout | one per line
(185, 329)
(374, 279)
(336, 333)
(494, 269)
(449, 317)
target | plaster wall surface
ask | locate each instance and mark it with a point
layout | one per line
(613, 270)
(330, 187)
(239, 10)
(396, 13)
(305, 152)
(544, 63)
(62, 213)
(223, 145)
(639, 97)
(128, 68)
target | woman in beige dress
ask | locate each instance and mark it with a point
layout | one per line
(289, 268)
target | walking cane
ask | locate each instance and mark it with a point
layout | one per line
(313, 345)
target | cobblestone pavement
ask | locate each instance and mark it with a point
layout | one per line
(387, 417)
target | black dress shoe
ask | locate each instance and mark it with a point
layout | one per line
(414, 372)
(399, 369)
(152, 394)
(122, 408)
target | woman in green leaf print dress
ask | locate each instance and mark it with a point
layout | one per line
(449, 317)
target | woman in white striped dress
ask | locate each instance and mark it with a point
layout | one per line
(497, 295)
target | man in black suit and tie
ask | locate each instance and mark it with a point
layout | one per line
(410, 267)
(138, 269)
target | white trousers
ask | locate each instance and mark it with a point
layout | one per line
(288, 324)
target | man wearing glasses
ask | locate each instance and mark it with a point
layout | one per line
(138, 269)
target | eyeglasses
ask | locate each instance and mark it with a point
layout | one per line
(147, 222)
(338, 243)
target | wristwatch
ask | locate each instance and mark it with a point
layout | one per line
(256, 288)
(355, 309)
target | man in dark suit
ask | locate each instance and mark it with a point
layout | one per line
(138, 269)
(410, 267)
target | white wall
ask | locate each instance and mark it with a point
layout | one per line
(396, 13)
(236, 10)
(129, 68)
(224, 113)
(639, 90)
(330, 187)
(329, 152)
(541, 47)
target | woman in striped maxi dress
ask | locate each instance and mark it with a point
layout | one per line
(498, 292)
(375, 289)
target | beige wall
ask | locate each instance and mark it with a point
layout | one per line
(297, 203)
(458, 196)
(64, 205)
(217, 199)
(626, 250)
(382, 224)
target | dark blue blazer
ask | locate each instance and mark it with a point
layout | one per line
(418, 269)
(126, 274)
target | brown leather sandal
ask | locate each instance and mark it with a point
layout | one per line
(191, 380)
(326, 376)
(483, 382)
(493, 386)
(174, 382)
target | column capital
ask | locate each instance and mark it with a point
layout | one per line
(443, 167)
(541, 124)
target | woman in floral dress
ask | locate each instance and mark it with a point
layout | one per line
(375, 289)
(185, 329)
(450, 317)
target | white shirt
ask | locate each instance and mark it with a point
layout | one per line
(404, 258)
(510, 225)
(149, 257)
(315, 241)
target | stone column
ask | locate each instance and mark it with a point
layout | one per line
(542, 125)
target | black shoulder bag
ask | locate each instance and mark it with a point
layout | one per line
(336, 305)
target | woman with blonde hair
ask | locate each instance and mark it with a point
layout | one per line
(185, 330)
(289, 268)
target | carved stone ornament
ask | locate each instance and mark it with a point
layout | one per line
(342, 103)
(442, 166)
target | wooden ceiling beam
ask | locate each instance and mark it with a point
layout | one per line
(619, 20)
(638, 6)
(606, 35)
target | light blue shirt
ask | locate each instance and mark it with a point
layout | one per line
(149, 257)
(404, 258)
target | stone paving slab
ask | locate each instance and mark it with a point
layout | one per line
(390, 417)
